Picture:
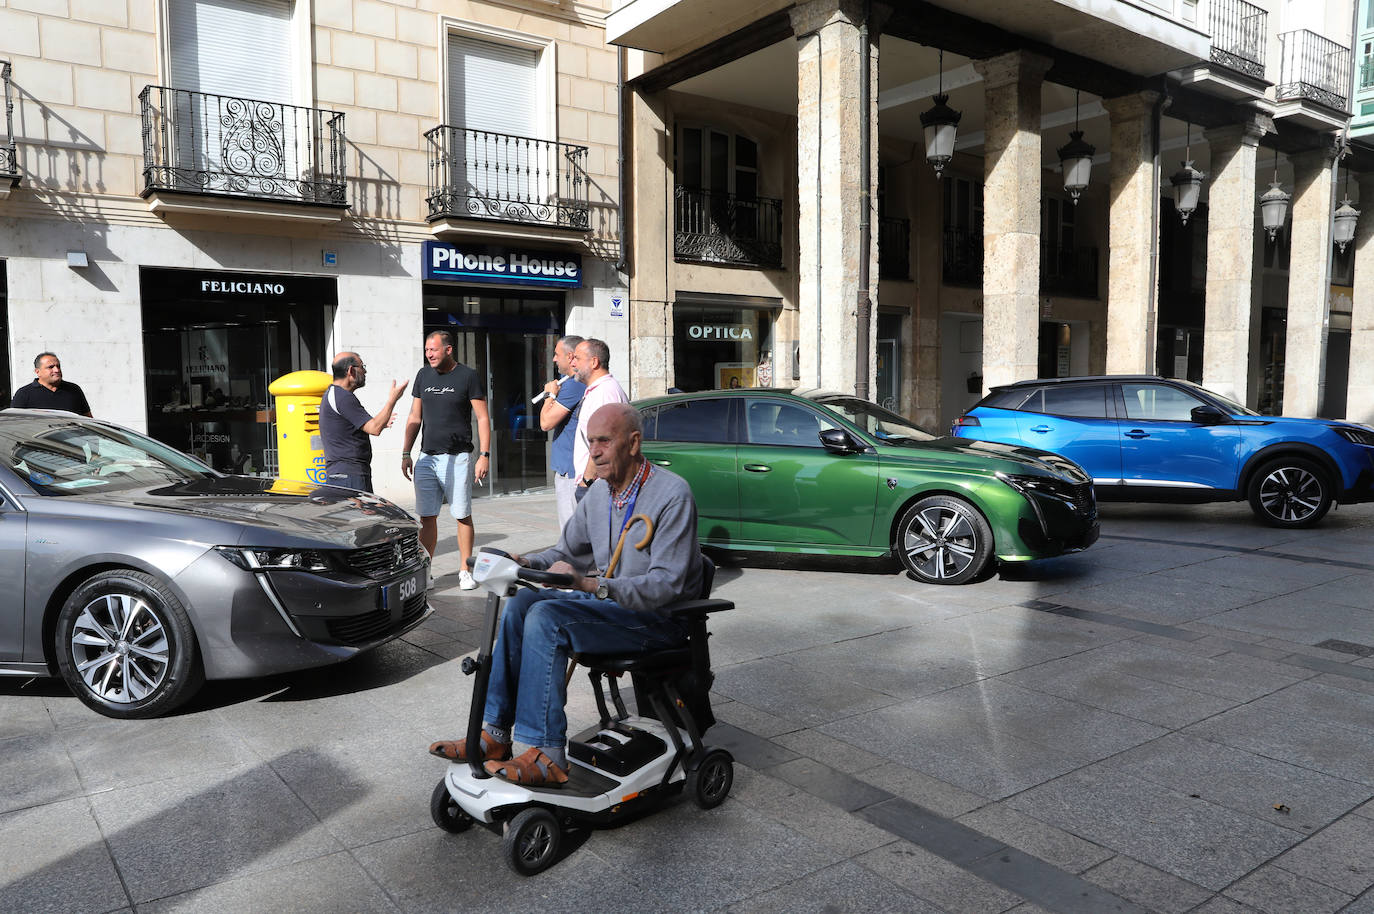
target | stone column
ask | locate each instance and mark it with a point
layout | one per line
(829, 188)
(1359, 401)
(650, 362)
(1011, 215)
(1230, 256)
(1132, 280)
(1308, 282)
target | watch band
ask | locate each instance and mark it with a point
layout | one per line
(484, 453)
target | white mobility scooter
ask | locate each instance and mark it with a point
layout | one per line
(618, 768)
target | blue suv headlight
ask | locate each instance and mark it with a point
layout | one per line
(1354, 434)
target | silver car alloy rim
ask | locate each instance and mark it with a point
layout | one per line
(941, 542)
(120, 648)
(1290, 494)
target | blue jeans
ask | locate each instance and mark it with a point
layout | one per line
(539, 630)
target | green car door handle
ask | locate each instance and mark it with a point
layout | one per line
(757, 467)
(661, 462)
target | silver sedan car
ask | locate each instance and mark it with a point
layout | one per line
(136, 572)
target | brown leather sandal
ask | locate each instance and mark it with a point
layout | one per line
(532, 768)
(456, 750)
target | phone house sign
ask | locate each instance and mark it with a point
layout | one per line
(507, 266)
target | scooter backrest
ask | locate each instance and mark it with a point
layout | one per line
(708, 576)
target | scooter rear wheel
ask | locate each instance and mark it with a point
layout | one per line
(446, 812)
(531, 841)
(709, 783)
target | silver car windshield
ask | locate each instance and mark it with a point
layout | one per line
(883, 424)
(66, 457)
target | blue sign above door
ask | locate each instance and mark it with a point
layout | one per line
(506, 266)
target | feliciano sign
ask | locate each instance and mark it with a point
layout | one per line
(508, 266)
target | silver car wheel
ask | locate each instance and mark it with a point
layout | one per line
(1291, 494)
(942, 543)
(120, 648)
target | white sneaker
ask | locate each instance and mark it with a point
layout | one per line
(465, 581)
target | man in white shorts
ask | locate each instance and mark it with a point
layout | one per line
(446, 397)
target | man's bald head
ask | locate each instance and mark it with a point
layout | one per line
(614, 434)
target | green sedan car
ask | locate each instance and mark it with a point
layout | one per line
(828, 474)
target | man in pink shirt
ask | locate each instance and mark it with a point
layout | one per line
(591, 364)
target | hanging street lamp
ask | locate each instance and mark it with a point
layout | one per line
(1343, 231)
(1274, 203)
(1076, 158)
(1187, 182)
(940, 123)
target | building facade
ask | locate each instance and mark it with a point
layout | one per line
(200, 196)
(786, 224)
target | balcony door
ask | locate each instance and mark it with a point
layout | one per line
(230, 113)
(493, 104)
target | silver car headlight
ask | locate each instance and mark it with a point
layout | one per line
(265, 559)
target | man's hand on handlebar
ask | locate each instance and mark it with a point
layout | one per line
(580, 581)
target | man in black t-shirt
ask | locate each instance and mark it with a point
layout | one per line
(446, 398)
(49, 391)
(345, 427)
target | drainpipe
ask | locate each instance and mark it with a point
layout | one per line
(865, 308)
(621, 265)
(1152, 318)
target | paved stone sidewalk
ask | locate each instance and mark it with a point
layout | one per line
(1179, 719)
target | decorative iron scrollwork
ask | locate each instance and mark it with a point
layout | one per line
(198, 142)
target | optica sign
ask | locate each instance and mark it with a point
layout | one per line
(508, 266)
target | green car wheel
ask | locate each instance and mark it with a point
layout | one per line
(944, 540)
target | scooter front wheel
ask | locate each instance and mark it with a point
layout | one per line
(446, 812)
(531, 841)
(709, 783)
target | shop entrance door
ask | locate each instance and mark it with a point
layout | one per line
(509, 342)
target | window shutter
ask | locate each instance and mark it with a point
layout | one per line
(492, 87)
(239, 48)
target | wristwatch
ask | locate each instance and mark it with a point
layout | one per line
(588, 482)
(484, 453)
(603, 592)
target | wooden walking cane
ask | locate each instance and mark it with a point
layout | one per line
(610, 569)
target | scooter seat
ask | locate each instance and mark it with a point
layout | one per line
(672, 658)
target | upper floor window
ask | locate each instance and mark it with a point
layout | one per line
(719, 162)
(238, 48)
(493, 87)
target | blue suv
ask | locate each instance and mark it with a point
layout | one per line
(1145, 438)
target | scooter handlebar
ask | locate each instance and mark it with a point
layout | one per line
(549, 578)
(507, 569)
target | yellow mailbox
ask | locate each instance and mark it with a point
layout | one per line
(300, 453)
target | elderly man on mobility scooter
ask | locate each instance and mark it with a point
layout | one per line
(540, 630)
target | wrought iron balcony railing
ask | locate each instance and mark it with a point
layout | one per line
(962, 257)
(894, 248)
(477, 174)
(1313, 68)
(1238, 34)
(198, 142)
(9, 158)
(724, 228)
(1066, 270)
